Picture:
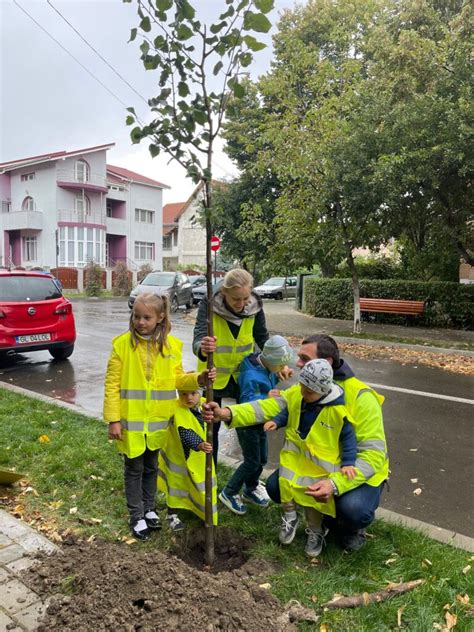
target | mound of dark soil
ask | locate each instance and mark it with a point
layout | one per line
(113, 586)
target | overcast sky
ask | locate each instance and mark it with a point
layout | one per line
(50, 103)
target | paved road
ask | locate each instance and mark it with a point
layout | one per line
(429, 427)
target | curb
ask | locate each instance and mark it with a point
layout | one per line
(432, 531)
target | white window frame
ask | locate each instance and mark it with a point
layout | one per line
(144, 250)
(82, 204)
(167, 242)
(28, 176)
(30, 248)
(28, 204)
(144, 216)
(82, 171)
(78, 245)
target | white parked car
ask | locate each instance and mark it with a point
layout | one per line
(278, 288)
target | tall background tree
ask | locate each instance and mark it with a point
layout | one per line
(199, 68)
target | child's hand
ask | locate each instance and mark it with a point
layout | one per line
(207, 373)
(205, 447)
(349, 471)
(270, 425)
(285, 373)
(274, 392)
(115, 430)
(208, 344)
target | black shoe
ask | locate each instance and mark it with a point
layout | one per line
(153, 521)
(140, 530)
(353, 540)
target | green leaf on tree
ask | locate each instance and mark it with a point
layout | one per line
(145, 24)
(215, 28)
(217, 67)
(256, 22)
(136, 135)
(183, 32)
(185, 10)
(265, 6)
(164, 5)
(130, 120)
(254, 44)
(183, 89)
(154, 150)
(200, 116)
(133, 34)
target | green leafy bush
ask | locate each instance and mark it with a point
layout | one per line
(446, 304)
(93, 279)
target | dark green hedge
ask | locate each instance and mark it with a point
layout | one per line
(446, 304)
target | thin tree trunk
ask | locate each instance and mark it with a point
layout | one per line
(352, 268)
(209, 524)
(365, 598)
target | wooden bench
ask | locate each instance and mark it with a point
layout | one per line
(392, 306)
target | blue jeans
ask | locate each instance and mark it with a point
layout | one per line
(354, 510)
(254, 445)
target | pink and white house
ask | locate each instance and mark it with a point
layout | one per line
(69, 208)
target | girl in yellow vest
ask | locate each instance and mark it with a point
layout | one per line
(182, 461)
(144, 370)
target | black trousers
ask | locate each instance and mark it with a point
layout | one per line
(140, 474)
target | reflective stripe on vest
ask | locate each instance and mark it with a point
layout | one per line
(375, 444)
(139, 426)
(366, 469)
(301, 481)
(325, 465)
(230, 351)
(177, 469)
(182, 493)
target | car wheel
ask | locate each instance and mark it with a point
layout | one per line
(278, 296)
(62, 353)
(174, 305)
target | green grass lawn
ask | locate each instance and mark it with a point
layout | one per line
(74, 480)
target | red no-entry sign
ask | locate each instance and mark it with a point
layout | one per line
(215, 243)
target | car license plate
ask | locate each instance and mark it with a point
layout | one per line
(22, 340)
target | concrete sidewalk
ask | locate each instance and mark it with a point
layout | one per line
(282, 318)
(20, 607)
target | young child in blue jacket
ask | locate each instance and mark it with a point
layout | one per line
(258, 375)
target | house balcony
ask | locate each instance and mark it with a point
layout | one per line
(22, 220)
(81, 217)
(116, 226)
(68, 179)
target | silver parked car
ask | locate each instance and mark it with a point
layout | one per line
(278, 288)
(175, 284)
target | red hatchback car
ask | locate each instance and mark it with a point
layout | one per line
(34, 315)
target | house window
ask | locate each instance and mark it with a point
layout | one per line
(144, 216)
(167, 245)
(28, 176)
(28, 204)
(30, 249)
(175, 238)
(144, 250)
(78, 246)
(109, 211)
(82, 204)
(82, 171)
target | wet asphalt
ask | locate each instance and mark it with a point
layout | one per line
(430, 439)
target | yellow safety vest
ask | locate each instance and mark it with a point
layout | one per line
(372, 457)
(181, 479)
(146, 406)
(304, 462)
(230, 351)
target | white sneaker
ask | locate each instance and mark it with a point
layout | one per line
(288, 529)
(174, 523)
(315, 542)
(263, 490)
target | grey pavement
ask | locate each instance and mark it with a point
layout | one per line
(20, 607)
